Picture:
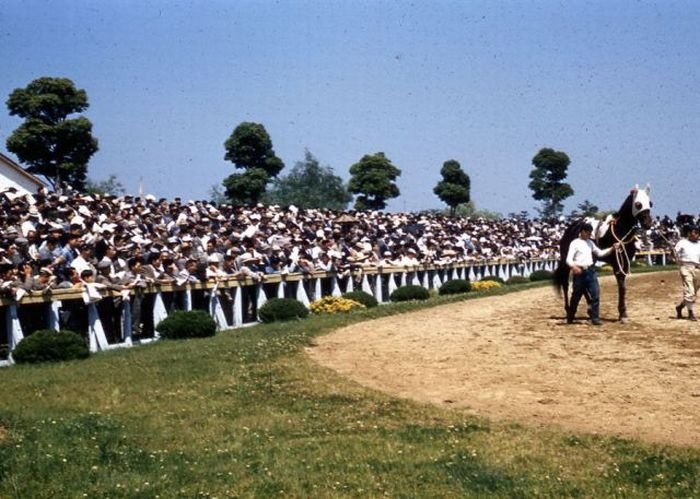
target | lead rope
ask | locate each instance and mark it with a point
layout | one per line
(620, 254)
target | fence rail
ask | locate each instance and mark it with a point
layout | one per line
(112, 319)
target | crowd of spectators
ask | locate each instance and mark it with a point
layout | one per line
(54, 240)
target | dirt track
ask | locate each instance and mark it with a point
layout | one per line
(513, 357)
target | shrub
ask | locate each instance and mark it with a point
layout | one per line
(494, 278)
(47, 345)
(541, 275)
(282, 309)
(334, 305)
(366, 299)
(410, 292)
(454, 287)
(191, 324)
(485, 285)
(517, 279)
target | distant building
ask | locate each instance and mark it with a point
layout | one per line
(13, 175)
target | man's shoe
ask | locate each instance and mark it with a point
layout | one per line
(679, 311)
(691, 317)
(596, 322)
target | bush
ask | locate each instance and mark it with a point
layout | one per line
(541, 275)
(334, 305)
(454, 287)
(182, 324)
(47, 345)
(366, 299)
(494, 278)
(282, 309)
(410, 292)
(485, 285)
(517, 279)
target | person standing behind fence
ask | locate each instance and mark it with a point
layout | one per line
(687, 252)
(580, 259)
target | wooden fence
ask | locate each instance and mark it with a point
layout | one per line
(106, 318)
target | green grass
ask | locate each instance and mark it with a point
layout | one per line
(245, 413)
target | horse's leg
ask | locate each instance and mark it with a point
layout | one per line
(621, 291)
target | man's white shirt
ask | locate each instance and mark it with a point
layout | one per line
(688, 252)
(581, 253)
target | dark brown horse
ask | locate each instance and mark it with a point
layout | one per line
(622, 227)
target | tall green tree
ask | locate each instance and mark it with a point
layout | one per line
(111, 186)
(49, 142)
(310, 185)
(373, 180)
(246, 188)
(585, 209)
(453, 189)
(547, 184)
(469, 210)
(250, 148)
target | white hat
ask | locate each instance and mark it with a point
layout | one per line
(248, 257)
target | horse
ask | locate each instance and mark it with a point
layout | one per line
(621, 227)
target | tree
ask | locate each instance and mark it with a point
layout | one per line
(585, 209)
(310, 185)
(248, 187)
(250, 148)
(547, 182)
(48, 142)
(453, 189)
(372, 178)
(469, 210)
(216, 195)
(111, 186)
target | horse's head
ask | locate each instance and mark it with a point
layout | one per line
(641, 206)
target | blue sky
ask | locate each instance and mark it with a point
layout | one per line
(614, 84)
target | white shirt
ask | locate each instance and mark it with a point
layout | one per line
(688, 252)
(581, 253)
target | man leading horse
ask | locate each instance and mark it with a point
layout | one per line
(620, 229)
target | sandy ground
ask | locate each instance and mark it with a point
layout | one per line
(514, 358)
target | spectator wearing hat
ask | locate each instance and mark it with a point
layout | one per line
(134, 279)
(214, 272)
(44, 282)
(84, 259)
(69, 252)
(110, 308)
(249, 269)
(687, 252)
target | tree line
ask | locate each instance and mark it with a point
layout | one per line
(54, 143)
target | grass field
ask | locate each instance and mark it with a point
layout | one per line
(246, 414)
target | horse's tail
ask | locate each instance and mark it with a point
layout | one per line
(561, 281)
(561, 274)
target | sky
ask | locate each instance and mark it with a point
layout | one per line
(615, 84)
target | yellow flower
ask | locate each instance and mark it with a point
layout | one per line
(334, 305)
(485, 285)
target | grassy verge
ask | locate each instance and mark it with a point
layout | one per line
(245, 413)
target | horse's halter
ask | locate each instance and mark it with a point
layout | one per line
(641, 206)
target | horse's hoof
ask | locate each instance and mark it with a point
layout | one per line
(624, 320)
